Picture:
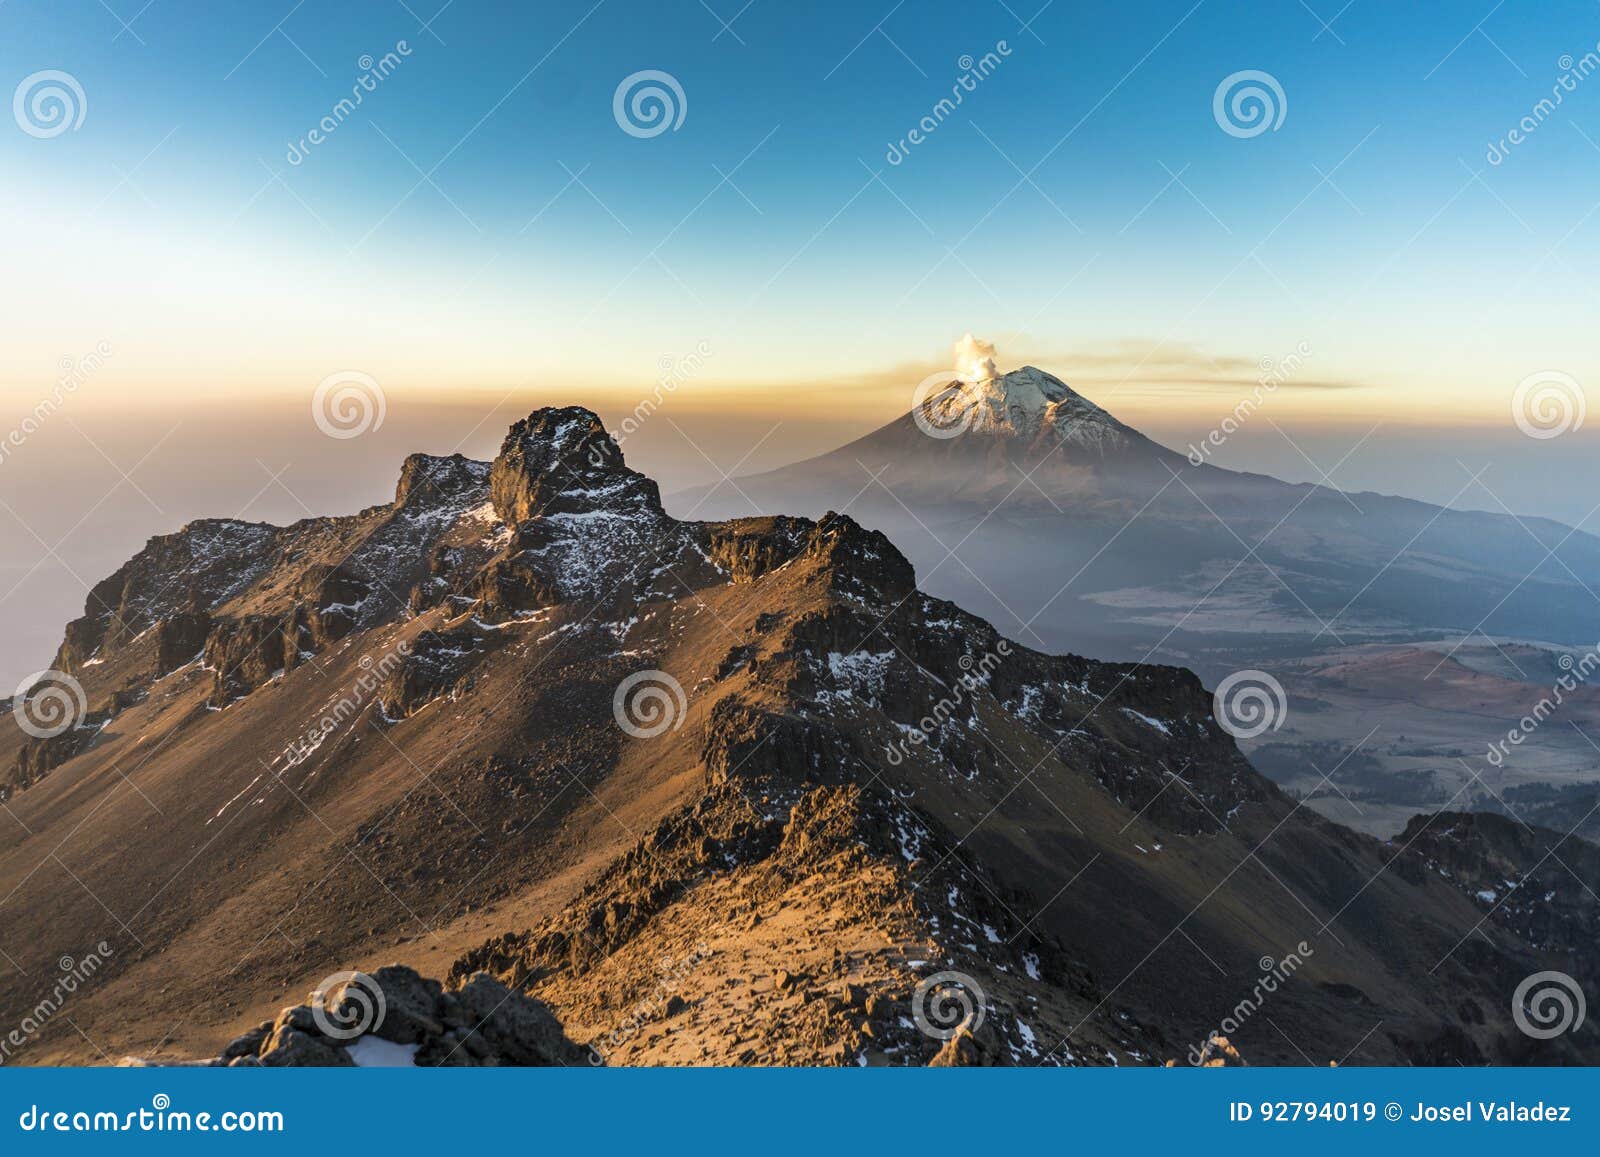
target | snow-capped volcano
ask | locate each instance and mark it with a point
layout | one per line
(1026, 403)
(975, 437)
(504, 623)
(1052, 501)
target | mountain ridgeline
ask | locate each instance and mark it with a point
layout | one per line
(1038, 508)
(1406, 639)
(729, 792)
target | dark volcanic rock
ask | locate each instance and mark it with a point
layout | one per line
(184, 573)
(855, 789)
(38, 757)
(433, 664)
(1542, 885)
(481, 1023)
(562, 461)
(426, 480)
(245, 653)
(181, 639)
(748, 548)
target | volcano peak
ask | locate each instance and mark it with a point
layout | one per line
(1028, 403)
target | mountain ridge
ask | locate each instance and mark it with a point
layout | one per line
(1145, 553)
(420, 731)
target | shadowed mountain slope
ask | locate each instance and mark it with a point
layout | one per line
(728, 791)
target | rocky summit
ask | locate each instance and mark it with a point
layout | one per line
(640, 791)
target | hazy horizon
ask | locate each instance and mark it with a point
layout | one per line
(271, 463)
(1215, 621)
(482, 231)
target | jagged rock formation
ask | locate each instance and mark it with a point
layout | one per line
(396, 1018)
(737, 934)
(728, 792)
(248, 603)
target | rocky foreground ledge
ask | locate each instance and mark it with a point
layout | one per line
(395, 1018)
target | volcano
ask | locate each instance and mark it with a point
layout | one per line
(1020, 498)
(654, 791)
(1032, 503)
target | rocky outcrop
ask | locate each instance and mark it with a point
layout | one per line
(851, 558)
(396, 1017)
(580, 521)
(520, 578)
(968, 1050)
(1538, 883)
(859, 561)
(562, 461)
(431, 666)
(174, 576)
(180, 640)
(747, 548)
(1215, 1052)
(830, 859)
(428, 481)
(38, 757)
(246, 653)
(794, 751)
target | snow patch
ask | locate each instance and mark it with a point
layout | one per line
(370, 1052)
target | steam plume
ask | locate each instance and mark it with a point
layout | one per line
(974, 360)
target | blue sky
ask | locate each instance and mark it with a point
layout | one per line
(804, 264)
(481, 236)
